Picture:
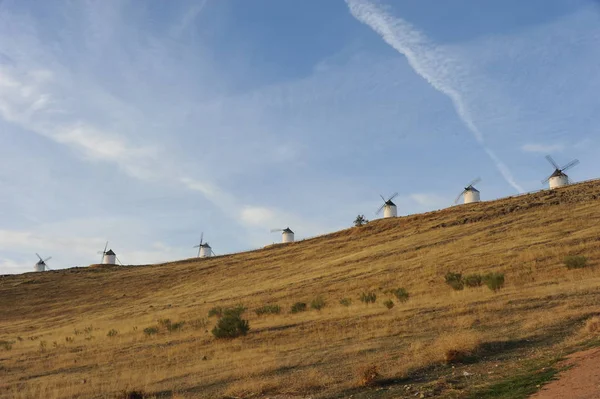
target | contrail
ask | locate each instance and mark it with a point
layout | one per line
(428, 61)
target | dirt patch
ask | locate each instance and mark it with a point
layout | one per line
(580, 381)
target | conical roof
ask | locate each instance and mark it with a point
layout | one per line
(109, 252)
(287, 230)
(557, 173)
(389, 203)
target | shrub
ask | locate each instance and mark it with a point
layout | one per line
(231, 325)
(88, 329)
(69, 340)
(298, 307)
(268, 309)
(368, 376)
(172, 327)
(133, 395)
(112, 333)
(368, 297)
(401, 294)
(164, 322)
(6, 345)
(216, 311)
(43, 346)
(592, 325)
(473, 280)
(151, 331)
(318, 303)
(494, 281)
(455, 281)
(360, 221)
(345, 301)
(575, 262)
(389, 304)
(199, 324)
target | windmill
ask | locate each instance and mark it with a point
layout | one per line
(287, 235)
(41, 265)
(470, 193)
(388, 207)
(559, 178)
(108, 257)
(204, 250)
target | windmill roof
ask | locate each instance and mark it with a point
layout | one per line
(390, 203)
(471, 188)
(287, 230)
(557, 173)
(110, 252)
(205, 245)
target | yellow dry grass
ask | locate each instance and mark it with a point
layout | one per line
(59, 320)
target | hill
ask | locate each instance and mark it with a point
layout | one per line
(87, 332)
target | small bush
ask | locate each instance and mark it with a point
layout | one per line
(69, 340)
(133, 395)
(494, 281)
(151, 331)
(592, 325)
(199, 324)
(318, 303)
(368, 376)
(164, 322)
(389, 304)
(88, 329)
(575, 262)
(454, 280)
(368, 297)
(401, 294)
(6, 345)
(172, 327)
(360, 221)
(268, 309)
(77, 332)
(216, 311)
(345, 301)
(298, 307)
(473, 280)
(43, 346)
(231, 325)
(112, 333)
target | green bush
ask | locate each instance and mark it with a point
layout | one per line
(494, 281)
(575, 262)
(389, 304)
(172, 327)
(231, 325)
(455, 281)
(345, 301)
(298, 307)
(318, 303)
(151, 331)
(112, 333)
(368, 297)
(473, 280)
(216, 311)
(401, 294)
(268, 309)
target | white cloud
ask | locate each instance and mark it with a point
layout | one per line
(258, 216)
(437, 66)
(543, 148)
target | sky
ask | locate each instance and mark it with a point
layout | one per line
(145, 124)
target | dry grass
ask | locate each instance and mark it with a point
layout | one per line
(314, 353)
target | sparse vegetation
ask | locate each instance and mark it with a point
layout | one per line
(268, 309)
(389, 304)
(368, 376)
(494, 281)
(360, 221)
(149, 331)
(69, 340)
(199, 324)
(298, 307)
(217, 311)
(455, 281)
(346, 302)
(575, 262)
(112, 333)
(6, 345)
(133, 395)
(401, 294)
(318, 303)
(368, 297)
(43, 346)
(473, 280)
(231, 325)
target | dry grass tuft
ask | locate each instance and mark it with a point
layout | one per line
(368, 376)
(592, 325)
(456, 347)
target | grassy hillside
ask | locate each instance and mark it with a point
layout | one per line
(55, 326)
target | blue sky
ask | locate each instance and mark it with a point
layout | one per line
(147, 123)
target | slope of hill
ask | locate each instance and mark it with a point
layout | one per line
(80, 332)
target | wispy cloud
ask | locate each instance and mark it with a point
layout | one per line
(543, 148)
(433, 63)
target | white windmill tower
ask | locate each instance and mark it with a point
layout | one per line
(470, 193)
(559, 178)
(388, 207)
(287, 235)
(204, 250)
(41, 265)
(108, 257)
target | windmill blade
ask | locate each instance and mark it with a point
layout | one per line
(383, 199)
(38, 255)
(119, 260)
(474, 182)
(380, 209)
(105, 246)
(459, 195)
(275, 230)
(570, 165)
(393, 196)
(201, 238)
(213, 252)
(47, 259)
(549, 159)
